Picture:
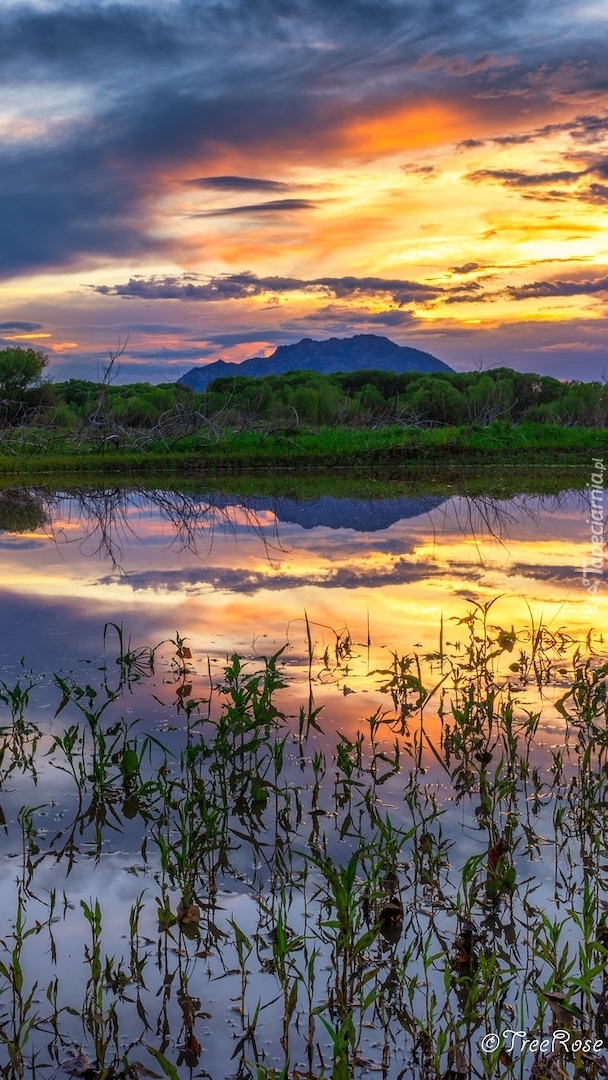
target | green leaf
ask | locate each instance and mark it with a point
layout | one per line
(168, 1069)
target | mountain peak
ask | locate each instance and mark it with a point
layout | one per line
(362, 352)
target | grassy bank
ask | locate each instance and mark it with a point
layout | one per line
(401, 451)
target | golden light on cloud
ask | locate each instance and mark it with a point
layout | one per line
(27, 337)
(422, 126)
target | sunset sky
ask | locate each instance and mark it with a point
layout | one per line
(213, 178)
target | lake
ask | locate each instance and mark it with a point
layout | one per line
(300, 787)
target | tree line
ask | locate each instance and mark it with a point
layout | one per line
(359, 398)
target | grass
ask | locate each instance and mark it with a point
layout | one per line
(402, 450)
(307, 901)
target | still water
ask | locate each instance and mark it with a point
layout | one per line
(362, 857)
(239, 574)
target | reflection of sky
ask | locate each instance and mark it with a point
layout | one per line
(245, 577)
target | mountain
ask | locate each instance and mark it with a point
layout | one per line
(363, 352)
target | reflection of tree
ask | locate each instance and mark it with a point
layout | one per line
(103, 521)
(480, 518)
(107, 519)
(21, 511)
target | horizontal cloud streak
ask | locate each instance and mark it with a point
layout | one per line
(574, 287)
(275, 206)
(238, 183)
(244, 286)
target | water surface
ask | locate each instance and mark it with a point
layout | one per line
(418, 743)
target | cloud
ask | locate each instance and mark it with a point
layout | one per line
(83, 38)
(24, 327)
(515, 178)
(242, 286)
(238, 183)
(466, 269)
(574, 287)
(537, 185)
(460, 66)
(586, 128)
(274, 206)
(154, 328)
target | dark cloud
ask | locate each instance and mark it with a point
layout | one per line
(241, 286)
(597, 193)
(536, 185)
(72, 40)
(180, 352)
(24, 327)
(238, 183)
(274, 335)
(428, 171)
(563, 574)
(154, 328)
(574, 287)
(587, 128)
(56, 204)
(185, 287)
(394, 317)
(516, 179)
(466, 269)
(466, 294)
(274, 206)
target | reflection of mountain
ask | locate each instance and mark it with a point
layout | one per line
(362, 515)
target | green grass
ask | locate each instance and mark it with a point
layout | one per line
(401, 450)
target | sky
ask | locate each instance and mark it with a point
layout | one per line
(190, 180)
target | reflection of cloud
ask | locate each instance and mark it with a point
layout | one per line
(246, 582)
(565, 574)
(15, 543)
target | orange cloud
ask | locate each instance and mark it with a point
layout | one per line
(407, 127)
(63, 346)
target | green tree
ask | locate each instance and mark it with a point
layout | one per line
(20, 371)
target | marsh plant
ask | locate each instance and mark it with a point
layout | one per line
(206, 877)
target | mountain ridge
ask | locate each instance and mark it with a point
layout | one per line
(362, 352)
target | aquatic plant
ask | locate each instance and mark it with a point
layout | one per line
(299, 900)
